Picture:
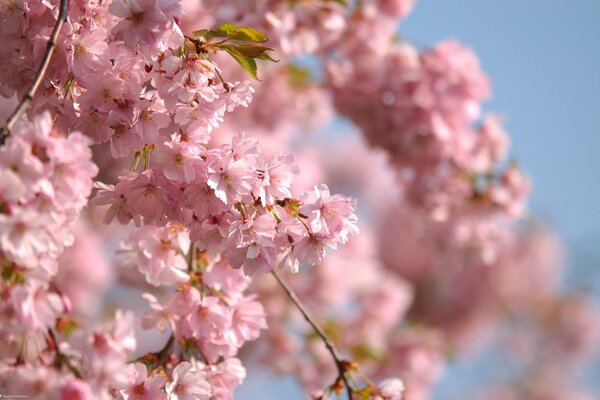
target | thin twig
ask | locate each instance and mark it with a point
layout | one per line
(340, 364)
(60, 358)
(164, 354)
(191, 266)
(37, 80)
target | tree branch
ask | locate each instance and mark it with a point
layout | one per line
(341, 365)
(37, 80)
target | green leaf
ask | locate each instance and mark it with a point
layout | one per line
(246, 62)
(342, 2)
(201, 33)
(228, 28)
(247, 50)
(230, 31)
(247, 34)
(266, 56)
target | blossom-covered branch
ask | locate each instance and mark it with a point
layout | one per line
(39, 76)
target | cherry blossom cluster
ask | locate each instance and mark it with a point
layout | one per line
(233, 202)
(209, 316)
(123, 72)
(45, 180)
(87, 365)
(421, 107)
(203, 212)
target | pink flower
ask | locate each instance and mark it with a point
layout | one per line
(36, 309)
(277, 179)
(310, 249)
(143, 21)
(255, 244)
(159, 318)
(115, 196)
(248, 319)
(202, 200)
(188, 384)
(158, 253)
(20, 167)
(329, 215)
(86, 52)
(143, 388)
(151, 119)
(76, 389)
(24, 235)
(392, 389)
(231, 179)
(178, 160)
(210, 318)
(147, 197)
(224, 377)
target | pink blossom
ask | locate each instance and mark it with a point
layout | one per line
(210, 318)
(277, 179)
(247, 320)
(179, 161)
(143, 20)
(231, 179)
(116, 197)
(86, 52)
(224, 377)
(329, 215)
(143, 387)
(392, 389)
(147, 197)
(188, 384)
(159, 318)
(76, 389)
(158, 254)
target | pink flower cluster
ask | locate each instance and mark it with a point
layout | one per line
(86, 366)
(45, 179)
(443, 266)
(210, 313)
(421, 107)
(233, 202)
(122, 73)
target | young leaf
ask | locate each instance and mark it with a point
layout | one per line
(246, 62)
(201, 33)
(266, 56)
(247, 50)
(246, 34)
(228, 29)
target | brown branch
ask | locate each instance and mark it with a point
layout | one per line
(342, 365)
(164, 354)
(37, 80)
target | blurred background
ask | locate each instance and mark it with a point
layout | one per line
(543, 59)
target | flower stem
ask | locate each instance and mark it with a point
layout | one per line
(61, 359)
(37, 80)
(341, 364)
